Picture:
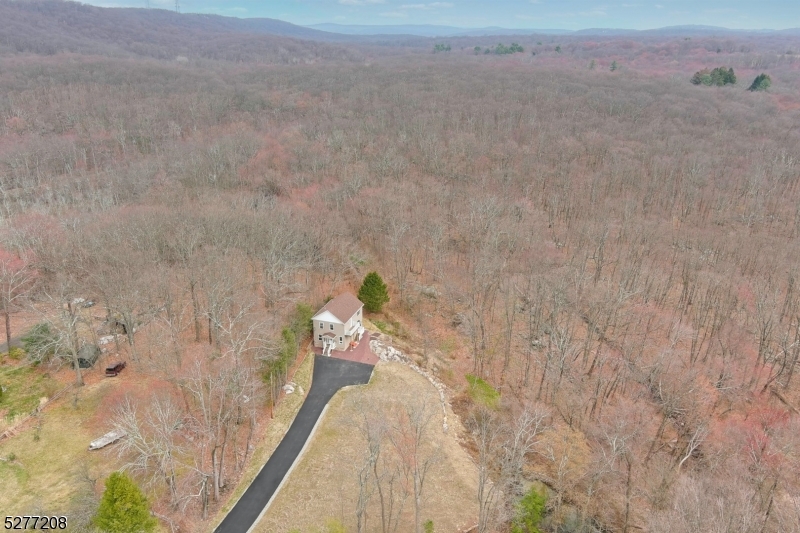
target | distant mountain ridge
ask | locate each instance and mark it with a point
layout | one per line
(432, 30)
(428, 30)
(50, 27)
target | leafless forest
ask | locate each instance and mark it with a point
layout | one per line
(618, 253)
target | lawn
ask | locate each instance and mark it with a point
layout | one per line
(23, 390)
(43, 467)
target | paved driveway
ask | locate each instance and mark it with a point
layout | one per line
(330, 375)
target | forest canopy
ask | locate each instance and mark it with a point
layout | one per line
(599, 269)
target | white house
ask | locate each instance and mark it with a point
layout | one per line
(338, 323)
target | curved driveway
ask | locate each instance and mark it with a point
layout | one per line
(330, 375)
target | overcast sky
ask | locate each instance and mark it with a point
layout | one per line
(567, 14)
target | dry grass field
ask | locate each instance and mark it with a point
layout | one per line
(324, 484)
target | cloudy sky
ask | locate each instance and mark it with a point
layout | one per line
(567, 14)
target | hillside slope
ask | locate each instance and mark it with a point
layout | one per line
(53, 26)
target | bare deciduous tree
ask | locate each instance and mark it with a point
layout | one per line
(16, 279)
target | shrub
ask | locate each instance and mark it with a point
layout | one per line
(301, 322)
(529, 512)
(373, 293)
(383, 326)
(289, 349)
(16, 353)
(40, 341)
(482, 393)
(428, 526)
(123, 508)
(761, 83)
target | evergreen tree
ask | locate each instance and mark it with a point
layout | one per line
(530, 510)
(123, 508)
(761, 83)
(373, 293)
(701, 77)
(719, 76)
(613, 66)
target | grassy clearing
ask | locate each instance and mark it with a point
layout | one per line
(388, 326)
(50, 458)
(482, 393)
(271, 436)
(323, 486)
(23, 389)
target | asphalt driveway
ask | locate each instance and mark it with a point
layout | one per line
(330, 375)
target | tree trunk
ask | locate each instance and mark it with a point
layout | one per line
(8, 328)
(769, 506)
(380, 497)
(215, 471)
(204, 492)
(195, 311)
(78, 374)
(626, 526)
(131, 340)
(221, 476)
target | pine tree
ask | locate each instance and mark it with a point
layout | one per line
(373, 293)
(761, 83)
(123, 508)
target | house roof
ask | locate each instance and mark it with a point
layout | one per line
(342, 307)
(329, 334)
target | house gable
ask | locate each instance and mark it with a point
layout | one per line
(326, 316)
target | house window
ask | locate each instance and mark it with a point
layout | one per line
(320, 337)
(331, 327)
(359, 312)
(321, 325)
(340, 340)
